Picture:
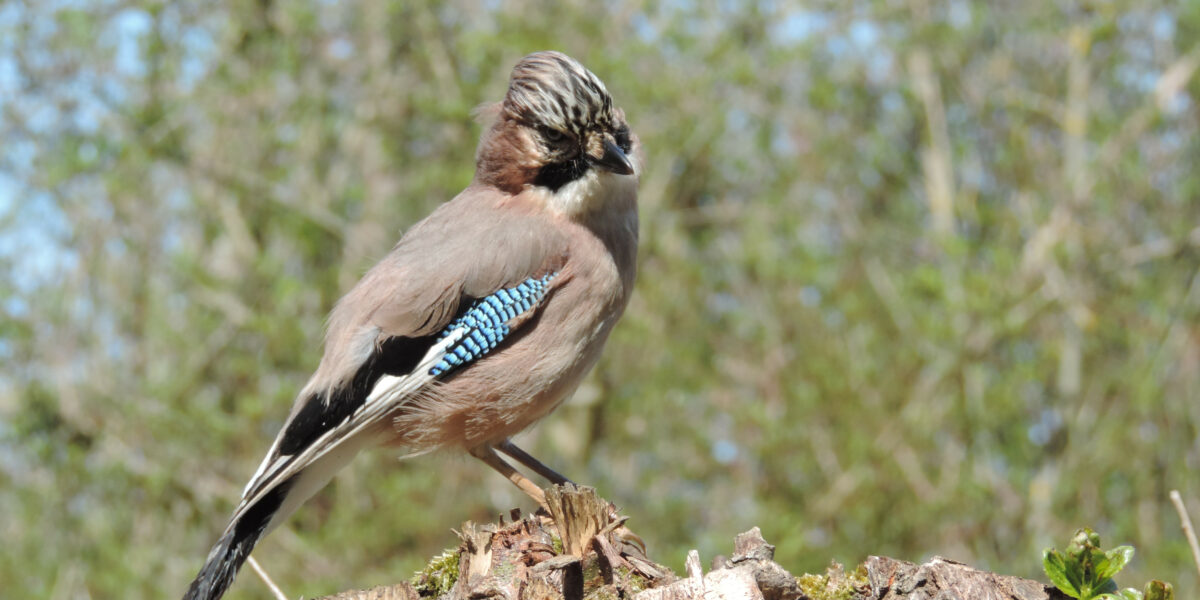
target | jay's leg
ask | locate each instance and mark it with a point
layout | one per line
(488, 455)
(528, 460)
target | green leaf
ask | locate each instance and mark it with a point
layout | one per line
(1158, 590)
(1079, 574)
(1097, 565)
(1115, 560)
(1054, 566)
(1107, 586)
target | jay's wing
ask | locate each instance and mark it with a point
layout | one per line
(450, 291)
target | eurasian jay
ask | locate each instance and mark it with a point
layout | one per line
(482, 319)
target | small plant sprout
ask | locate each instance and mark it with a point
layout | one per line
(1085, 571)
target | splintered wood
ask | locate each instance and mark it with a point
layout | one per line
(580, 550)
(583, 551)
(750, 575)
(578, 514)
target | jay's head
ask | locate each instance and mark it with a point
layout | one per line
(556, 125)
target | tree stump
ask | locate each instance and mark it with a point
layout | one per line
(583, 551)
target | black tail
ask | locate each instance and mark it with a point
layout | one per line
(234, 546)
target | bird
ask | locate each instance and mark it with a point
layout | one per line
(483, 317)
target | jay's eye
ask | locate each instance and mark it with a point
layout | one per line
(553, 136)
(622, 137)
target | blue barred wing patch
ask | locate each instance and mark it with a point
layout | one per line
(485, 324)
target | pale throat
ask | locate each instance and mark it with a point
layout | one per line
(596, 190)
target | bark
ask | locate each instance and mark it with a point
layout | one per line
(940, 578)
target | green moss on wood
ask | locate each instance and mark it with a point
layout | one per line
(835, 584)
(439, 576)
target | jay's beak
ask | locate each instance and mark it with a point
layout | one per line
(614, 159)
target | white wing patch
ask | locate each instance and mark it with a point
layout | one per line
(389, 393)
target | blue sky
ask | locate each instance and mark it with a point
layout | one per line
(34, 232)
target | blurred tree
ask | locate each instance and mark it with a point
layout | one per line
(916, 277)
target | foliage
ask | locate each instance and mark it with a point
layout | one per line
(1085, 571)
(916, 277)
